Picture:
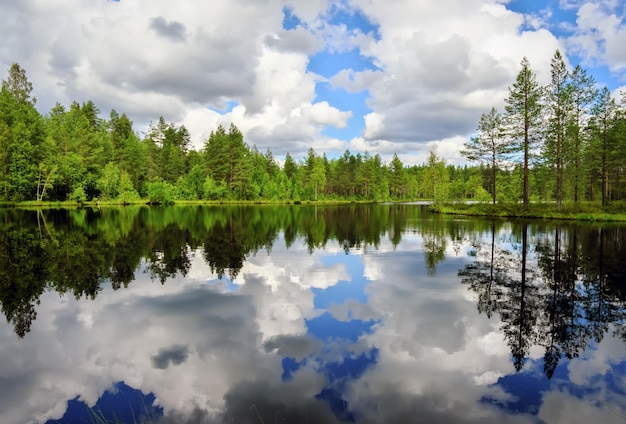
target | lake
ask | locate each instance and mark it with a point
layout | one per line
(309, 314)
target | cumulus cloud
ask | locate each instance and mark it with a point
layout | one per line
(600, 35)
(297, 40)
(432, 67)
(324, 114)
(122, 54)
(443, 65)
(354, 82)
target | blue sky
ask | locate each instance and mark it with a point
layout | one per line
(388, 77)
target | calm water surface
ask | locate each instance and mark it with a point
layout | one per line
(303, 314)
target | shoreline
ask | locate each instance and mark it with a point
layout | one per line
(585, 212)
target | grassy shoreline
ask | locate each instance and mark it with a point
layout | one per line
(589, 212)
(145, 202)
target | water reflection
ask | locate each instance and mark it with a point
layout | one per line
(568, 295)
(119, 404)
(310, 314)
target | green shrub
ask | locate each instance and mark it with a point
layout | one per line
(213, 190)
(78, 195)
(161, 192)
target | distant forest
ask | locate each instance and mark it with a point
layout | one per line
(564, 142)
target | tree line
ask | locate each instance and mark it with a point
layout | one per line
(567, 140)
(74, 154)
(561, 142)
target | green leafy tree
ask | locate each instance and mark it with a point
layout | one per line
(173, 153)
(91, 112)
(152, 146)
(343, 175)
(271, 167)
(78, 194)
(160, 192)
(240, 165)
(191, 186)
(109, 183)
(436, 178)
(213, 190)
(217, 155)
(18, 86)
(22, 134)
(48, 168)
(261, 184)
(371, 178)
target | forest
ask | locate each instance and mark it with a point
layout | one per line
(560, 143)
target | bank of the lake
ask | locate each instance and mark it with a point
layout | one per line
(580, 212)
(587, 211)
(145, 202)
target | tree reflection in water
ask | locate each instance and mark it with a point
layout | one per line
(557, 288)
(77, 251)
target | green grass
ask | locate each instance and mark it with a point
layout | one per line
(591, 212)
(93, 203)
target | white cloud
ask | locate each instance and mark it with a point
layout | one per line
(440, 65)
(324, 114)
(444, 65)
(374, 124)
(592, 370)
(281, 111)
(600, 36)
(565, 408)
(294, 40)
(200, 122)
(354, 82)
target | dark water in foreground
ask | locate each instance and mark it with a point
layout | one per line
(366, 314)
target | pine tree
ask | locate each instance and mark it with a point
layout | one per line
(216, 155)
(397, 179)
(584, 94)
(559, 105)
(489, 146)
(523, 117)
(603, 141)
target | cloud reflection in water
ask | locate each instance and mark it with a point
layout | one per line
(305, 336)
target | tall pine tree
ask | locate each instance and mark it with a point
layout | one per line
(559, 107)
(523, 116)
